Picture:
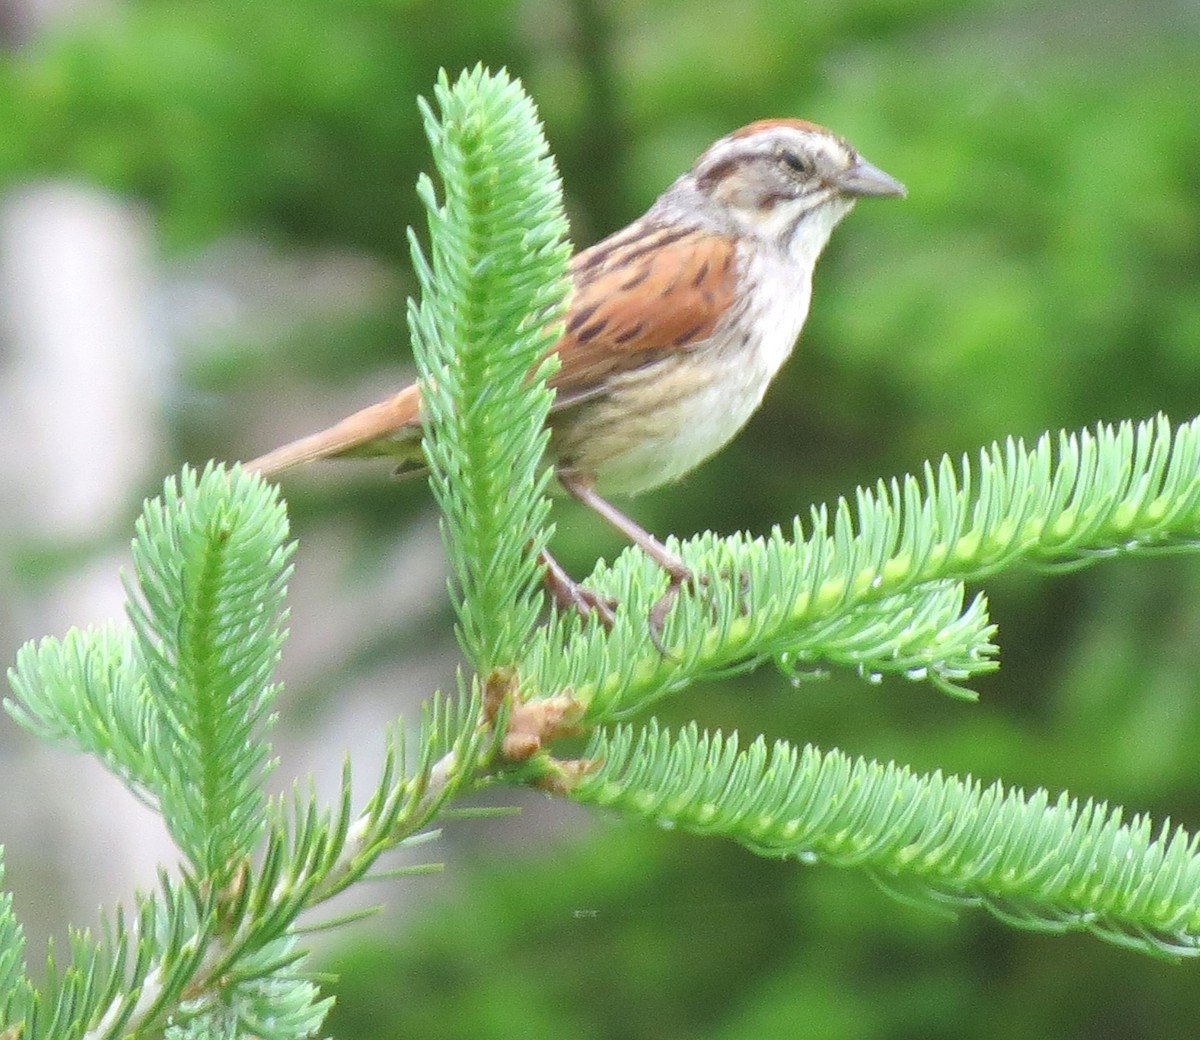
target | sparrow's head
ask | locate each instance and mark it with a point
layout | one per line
(784, 181)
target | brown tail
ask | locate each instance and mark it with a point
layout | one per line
(391, 428)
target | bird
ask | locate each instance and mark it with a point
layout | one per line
(675, 326)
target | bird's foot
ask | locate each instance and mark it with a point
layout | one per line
(568, 594)
(681, 576)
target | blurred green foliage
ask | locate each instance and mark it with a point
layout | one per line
(1044, 272)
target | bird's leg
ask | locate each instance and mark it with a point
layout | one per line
(583, 491)
(568, 594)
(680, 574)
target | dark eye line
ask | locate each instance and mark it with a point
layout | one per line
(795, 161)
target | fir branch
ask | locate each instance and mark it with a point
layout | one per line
(312, 856)
(233, 952)
(492, 291)
(1041, 863)
(1115, 490)
(178, 707)
(247, 961)
(210, 559)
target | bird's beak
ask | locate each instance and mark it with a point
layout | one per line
(863, 179)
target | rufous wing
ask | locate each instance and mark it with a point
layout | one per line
(646, 292)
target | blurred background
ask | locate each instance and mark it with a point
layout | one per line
(202, 253)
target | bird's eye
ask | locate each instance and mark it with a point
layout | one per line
(795, 162)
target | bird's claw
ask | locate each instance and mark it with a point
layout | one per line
(657, 618)
(568, 594)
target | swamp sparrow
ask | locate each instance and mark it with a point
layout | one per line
(675, 326)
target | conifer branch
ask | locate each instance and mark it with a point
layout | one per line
(1049, 864)
(493, 289)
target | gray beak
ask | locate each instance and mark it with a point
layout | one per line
(863, 179)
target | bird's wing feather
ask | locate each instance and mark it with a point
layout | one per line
(645, 292)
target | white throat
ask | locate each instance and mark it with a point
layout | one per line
(801, 237)
(811, 234)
